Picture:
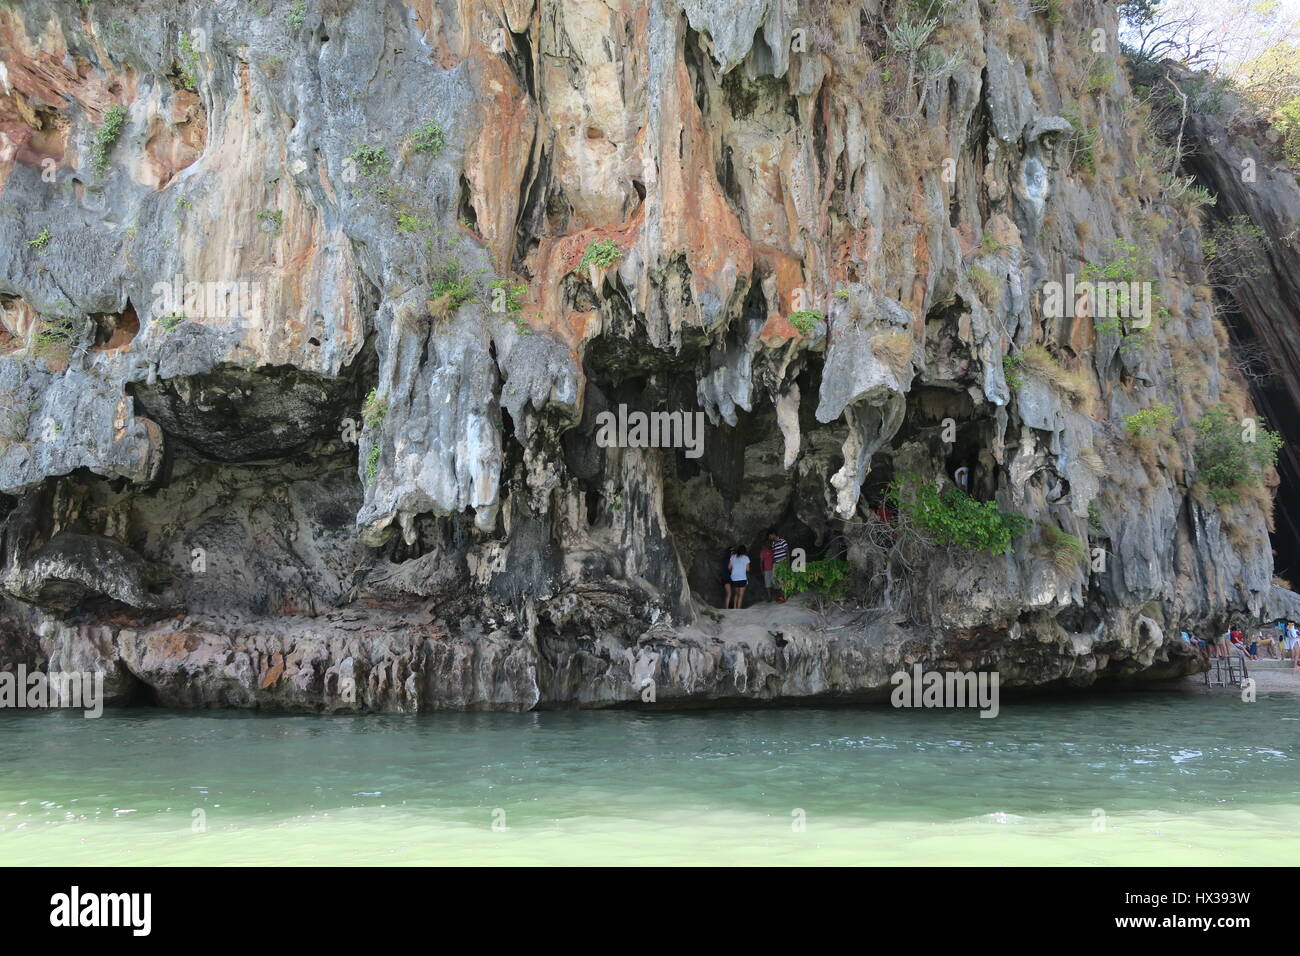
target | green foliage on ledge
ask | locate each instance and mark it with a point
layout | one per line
(825, 578)
(428, 138)
(805, 320)
(1231, 454)
(601, 253)
(106, 136)
(1149, 421)
(373, 409)
(952, 518)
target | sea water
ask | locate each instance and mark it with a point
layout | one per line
(1148, 778)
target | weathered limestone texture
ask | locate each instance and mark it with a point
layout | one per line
(306, 328)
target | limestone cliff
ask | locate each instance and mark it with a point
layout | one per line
(310, 311)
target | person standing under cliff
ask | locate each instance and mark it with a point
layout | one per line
(739, 576)
(726, 577)
(780, 554)
(766, 564)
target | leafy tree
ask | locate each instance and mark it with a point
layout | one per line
(1232, 454)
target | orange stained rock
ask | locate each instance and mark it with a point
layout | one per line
(175, 142)
(38, 71)
(498, 157)
(273, 673)
(552, 261)
(915, 302)
(786, 273)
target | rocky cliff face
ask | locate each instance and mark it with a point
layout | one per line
(1260, 299)
(304, 360)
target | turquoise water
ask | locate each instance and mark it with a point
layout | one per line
(1161, 778)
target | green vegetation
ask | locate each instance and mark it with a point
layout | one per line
(1094, 518)
(373, 409)
(1147, 422)
(1272, 83)
(805, 320)
(297, 14)
(1234, 251)
(272, 220)
(183, 205)
(41, 241)
(408, 222)
(56, 334)
(372, 463)
(450, 289)
(1080, 144)
(1127, 264)
(1066, 551)
(952, 518)
(1010, 369)
(171, 321)
(106, 136)
(990, 245)
(989, 285)
(601, 253)
(428, 138)
(1195, 196)
(1231, 455)
(1100, 78)
(1050, 9)
(509, 294)
(373, 160)
(825, 578)
(189, 63)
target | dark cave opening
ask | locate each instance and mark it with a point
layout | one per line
(955, 436)
(733, 491)
(115, 331)
(1272, 398)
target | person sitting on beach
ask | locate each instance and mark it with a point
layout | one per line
(1267, 644)
(1190, 640)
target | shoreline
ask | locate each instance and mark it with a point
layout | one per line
(1271, 677)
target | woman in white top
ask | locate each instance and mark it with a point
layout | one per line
(738, 567)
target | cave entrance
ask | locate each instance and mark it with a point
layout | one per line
(955, 439)
(735, 489)
(739, 488)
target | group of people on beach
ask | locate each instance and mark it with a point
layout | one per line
(735, 575)
(1271, 643)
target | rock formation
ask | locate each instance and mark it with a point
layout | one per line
(311, 311)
